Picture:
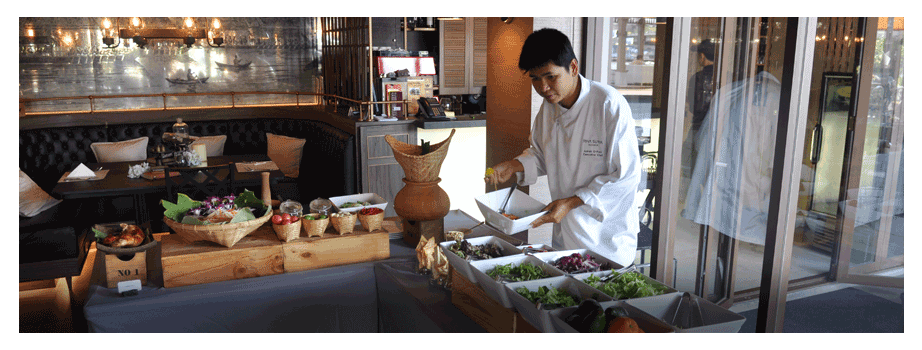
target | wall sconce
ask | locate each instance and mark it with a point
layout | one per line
(216, 34)
(137, 32)
(109, 34)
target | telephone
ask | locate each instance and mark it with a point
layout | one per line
(431, 109)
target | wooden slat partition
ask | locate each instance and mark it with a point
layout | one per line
(346, 57)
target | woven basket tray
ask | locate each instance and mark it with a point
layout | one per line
(343, 225)
(314, 227)
(371, 222)
(288, 233)
(226, 234)
(416, 167)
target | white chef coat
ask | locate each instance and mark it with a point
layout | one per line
(590, 151)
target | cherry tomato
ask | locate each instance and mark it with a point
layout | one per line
(286, 216)
(277, 219)
(295, 218)
(286, 221)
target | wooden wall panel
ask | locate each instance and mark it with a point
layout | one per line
(509, 92)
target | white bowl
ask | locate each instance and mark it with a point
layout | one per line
(551, 257)
(716, 319)
(496, 289)
(375, 200)
(463, 266)
(647, 322)
(541, 319)
(520, 204)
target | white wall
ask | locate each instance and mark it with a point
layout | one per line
(463, 168)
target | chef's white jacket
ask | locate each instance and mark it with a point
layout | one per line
(590, 151)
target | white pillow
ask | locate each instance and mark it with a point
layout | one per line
(214, 145)
(122, 151)
(286, 153)
(33, 199)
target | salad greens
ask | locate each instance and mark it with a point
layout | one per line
(625, 286)
(552, 296)
(526, 271)
(577, 263)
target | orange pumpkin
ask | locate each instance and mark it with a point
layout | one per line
(624, 325)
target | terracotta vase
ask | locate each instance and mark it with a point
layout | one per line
(422, 201)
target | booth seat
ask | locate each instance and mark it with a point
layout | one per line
(327, 169)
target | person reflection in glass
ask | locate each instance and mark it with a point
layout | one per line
(731, 179)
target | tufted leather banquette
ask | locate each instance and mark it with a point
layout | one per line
(328, 158)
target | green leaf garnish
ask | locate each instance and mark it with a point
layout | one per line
(192, 220)
(176, 211)
(242, 215)
(99, 234)
(248, 199)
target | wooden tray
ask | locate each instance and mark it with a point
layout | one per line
(261, 253)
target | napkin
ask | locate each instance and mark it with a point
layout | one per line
(81, 172)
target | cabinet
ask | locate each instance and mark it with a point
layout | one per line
(378, 171)
(462, 56)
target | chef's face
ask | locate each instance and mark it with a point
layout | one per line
(555, 83)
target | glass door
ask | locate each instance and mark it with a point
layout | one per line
(871, 200)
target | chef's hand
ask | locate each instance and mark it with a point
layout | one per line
(504, 171)
(556, 210)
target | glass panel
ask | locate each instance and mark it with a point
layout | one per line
(632, 73)
(878, 199)
(731, 118)
(66, 57)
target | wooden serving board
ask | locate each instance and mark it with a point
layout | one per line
(261, 253)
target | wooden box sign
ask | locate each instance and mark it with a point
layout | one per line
(120, 268)
(261, 253)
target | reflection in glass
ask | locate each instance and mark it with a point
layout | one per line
(879, 195)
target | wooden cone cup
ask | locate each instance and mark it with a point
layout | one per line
(289, 232)
(344, 224)
(314, 227)
(372, 222)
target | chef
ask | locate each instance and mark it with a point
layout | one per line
(583, 139)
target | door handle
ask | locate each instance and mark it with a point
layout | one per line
(817, 146)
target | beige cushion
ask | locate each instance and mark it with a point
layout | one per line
(122, 151)
(286, 153)
(214, 145)
(33, 199)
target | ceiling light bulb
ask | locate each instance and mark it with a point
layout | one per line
(106, 23)
(136, 21)
(189, 22)
(216, 24)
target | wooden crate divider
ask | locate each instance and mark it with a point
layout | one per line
(483, 310)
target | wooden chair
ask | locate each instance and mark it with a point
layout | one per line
(201, 182)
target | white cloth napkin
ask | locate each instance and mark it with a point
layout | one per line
(81, 172)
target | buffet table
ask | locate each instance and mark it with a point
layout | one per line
(385, 295)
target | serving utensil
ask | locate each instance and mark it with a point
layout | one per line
(502, 209)
(687, 313)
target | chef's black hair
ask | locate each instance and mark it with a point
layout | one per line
(545, 46)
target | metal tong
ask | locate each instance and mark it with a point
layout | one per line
(687, 313)
(502, 209)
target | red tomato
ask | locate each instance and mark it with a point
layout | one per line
(295, 218)
(286, 216)
(286, 221)
(277, 219)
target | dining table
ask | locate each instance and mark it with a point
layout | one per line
(116, 182)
